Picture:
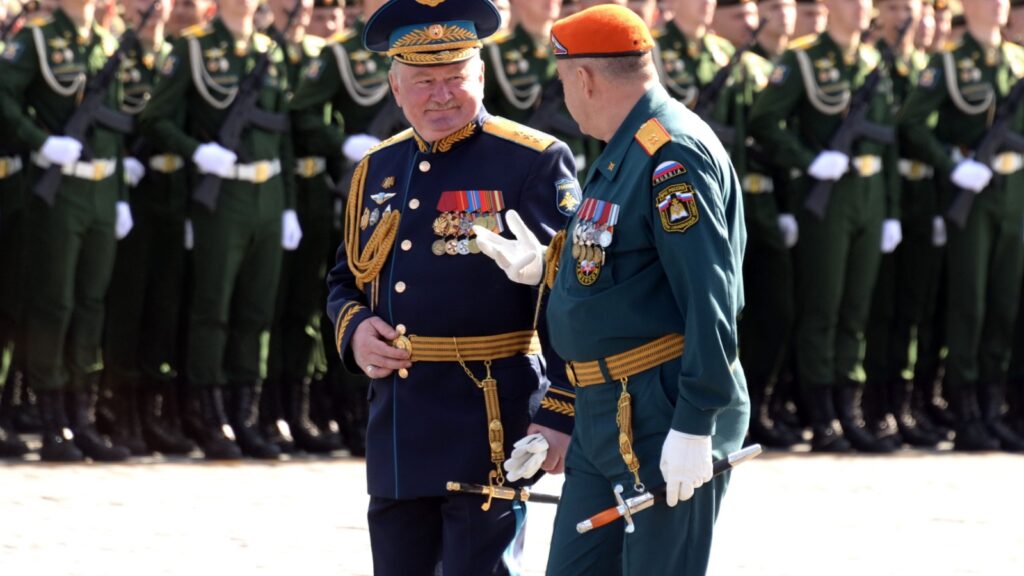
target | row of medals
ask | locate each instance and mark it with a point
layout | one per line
(589, 240)
(456, 232)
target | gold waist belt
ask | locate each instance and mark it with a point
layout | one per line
(628, 363)
(472, 348)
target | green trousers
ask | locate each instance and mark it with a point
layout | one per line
(986, 260)
(71, 250)
(237, 263)
(145, 291)
(667, 540)
(13, 264)
(837, 261)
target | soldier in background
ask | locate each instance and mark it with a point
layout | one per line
(1015, 27)
(943, 25)
(924, 34)
(811, 18)
(187, 13)
(779, 27)
(328, 18)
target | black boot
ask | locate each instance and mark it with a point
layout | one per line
(159, 431)
(215, 437)
(827, 435)
(910, 430)
(24, 411)
(347, 398)
(245, 423)
(308, 437)
(971, 434)
(992, 400)
(81, 406)
(273, 425)
(10, 445)
(853, 425)
(877, 409)
(58, 440)
(125, 428)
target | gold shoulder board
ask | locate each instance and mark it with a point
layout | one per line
(515, 132)
(652, 136)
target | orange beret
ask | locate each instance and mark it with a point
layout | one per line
(602, 31)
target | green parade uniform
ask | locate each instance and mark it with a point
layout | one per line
(237, 254)
(685, 65)
(143, 303)
(837, 256)
(906, 291)
(71, 242)
(964, 84)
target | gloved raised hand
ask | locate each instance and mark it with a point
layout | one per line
(892, 235)
(357, 145)
(134, 171)
(685, 465)
(938, 232)
(971, 175)
(522, 259)
(61, 150)
(125, 223)
(527, 456)
(829, 165)
(291, 232)
(789, 229)
(212, 158)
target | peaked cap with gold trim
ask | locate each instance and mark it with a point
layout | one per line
(431, 32)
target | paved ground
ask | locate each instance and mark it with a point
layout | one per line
(913, 514)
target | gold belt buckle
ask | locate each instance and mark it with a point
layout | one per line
(307, 167)
(3, 168)
(261, 171)
(97, 170)
(402, 343)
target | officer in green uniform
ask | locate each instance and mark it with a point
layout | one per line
(237, 253)
(143, 301)
(643, 307)
(347, 86)
(328, 18)
(687, 56)
(72, 241)
(188, 13)
(811, 18)
(838, 255)
(779, 18)
(965, 84)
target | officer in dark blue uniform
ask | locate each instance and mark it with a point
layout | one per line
(449, 342)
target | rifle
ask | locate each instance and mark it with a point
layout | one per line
(245, 113)
(997, 137)
(856, 125)
(708, 97)
(548, 115)
(92, 111)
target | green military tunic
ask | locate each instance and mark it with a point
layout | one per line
(237, 252)
(964, 84)
(71, 243)
(655, 248)
(839, 255)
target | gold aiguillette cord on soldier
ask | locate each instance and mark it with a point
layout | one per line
(367, 264)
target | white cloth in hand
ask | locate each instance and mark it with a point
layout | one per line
(789, 229)
(124, 220)
(61, 150)
(527, 456)
(212, 158)
(522, 259)
(971, 175)
(357, 145)
(892, 235)
(291, 232)
(829, 165)
(685, 465)
(938, 232)
(134, 171)
(189, 238)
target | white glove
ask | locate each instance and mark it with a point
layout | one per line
(212, 158)
(971, 175)
(189, 238)
(357, 145)
(790, 230)
(685, 464)
(522, 259)
(527, 456)
(938, 232)
(829, 165)
(134, 171)
(61, 150)
(291, 232)
(124, 220)
(892, 235)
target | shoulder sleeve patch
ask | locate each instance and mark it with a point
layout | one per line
(568, 195)
(652, 136)
(667, 171)
(515, 132)
(403, 135)
(677, 205)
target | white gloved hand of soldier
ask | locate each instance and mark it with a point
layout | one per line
(124, 220)
(134, 171)
(291, 232)
(189, 238)
(357, 145)
(892, 235)
(527, 456)
(212, 158)
(971, 175)
(685, 465)
(938, 232)
(829, 165)
(522, 259)
(61, 150)
(789, 229)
